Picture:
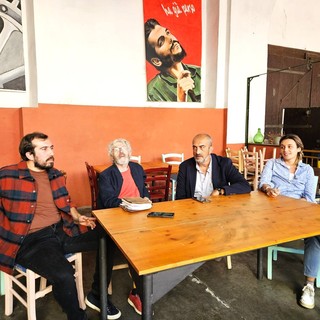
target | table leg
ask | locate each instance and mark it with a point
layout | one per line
(147, 297)
(259, 264)
(103, 278)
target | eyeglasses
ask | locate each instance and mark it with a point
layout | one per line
(118, 149)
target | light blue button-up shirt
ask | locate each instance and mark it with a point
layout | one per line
(277, 175)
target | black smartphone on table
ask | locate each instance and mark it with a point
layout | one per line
(159, 214)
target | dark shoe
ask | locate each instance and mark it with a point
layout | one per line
(135, 302)
(93, 302)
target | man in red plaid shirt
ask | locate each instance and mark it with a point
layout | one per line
(39, 224)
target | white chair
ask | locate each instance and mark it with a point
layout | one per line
(273, 250)
(173, 158)
(28, 285)
(136, 159)
(1, 283)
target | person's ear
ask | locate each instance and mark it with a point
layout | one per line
(30, 155)
(211, 149)
(156, 62)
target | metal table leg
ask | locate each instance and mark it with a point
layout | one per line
(103, 278)
(259, 264)
(147, 297)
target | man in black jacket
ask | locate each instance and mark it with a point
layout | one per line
(207, 174)
(123, 179)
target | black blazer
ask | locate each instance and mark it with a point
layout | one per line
(110, 184)
(224, 175)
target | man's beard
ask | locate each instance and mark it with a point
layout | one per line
(202, 160)
(44, 166)
(169, 61)
(122, 160)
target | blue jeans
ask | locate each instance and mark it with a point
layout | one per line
(43, 252)
(311, 256)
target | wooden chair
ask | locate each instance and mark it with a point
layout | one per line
(158, 183)
(94, 189)
(24, 280)
(274, 156)
(273, 250)
(135, 159)
(311, 157)
(236, 158)
(251, 167)
(93, 182)
(173, 158)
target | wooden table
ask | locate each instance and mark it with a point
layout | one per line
(164, 251)
(146, 165)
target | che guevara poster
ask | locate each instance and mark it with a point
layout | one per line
(173, 45)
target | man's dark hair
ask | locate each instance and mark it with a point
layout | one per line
(26, 143)
(166, 62)
(148, 27)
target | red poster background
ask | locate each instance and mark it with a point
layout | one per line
(186, 27)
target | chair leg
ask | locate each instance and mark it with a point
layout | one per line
(1, 283)
(31, 295)
(43, 283)
(173, 191)
(110, 288)
(79, 279)
(318, 279)
(229, 264)
(274, 254)
(269, 263)
(8, 296)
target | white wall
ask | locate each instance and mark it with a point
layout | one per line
(92, 53)
(254, 25)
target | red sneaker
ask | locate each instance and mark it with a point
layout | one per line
(135, 302)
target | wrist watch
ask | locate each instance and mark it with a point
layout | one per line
(220, 191)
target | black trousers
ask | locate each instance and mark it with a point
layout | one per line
(44, 253)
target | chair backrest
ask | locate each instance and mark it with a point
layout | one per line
(136, 159)
(158, 183)
(93, 181)
(251, 168)
(236, 158)
(261, 160)
(172, 158)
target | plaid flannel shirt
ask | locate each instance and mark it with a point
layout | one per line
(18, 198)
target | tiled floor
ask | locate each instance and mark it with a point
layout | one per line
(211, 292)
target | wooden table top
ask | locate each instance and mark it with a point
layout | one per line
(146, 165)
(204, 231)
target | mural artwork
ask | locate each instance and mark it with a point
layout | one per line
(173, 50)
(12, 70)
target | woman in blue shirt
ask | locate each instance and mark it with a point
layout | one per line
(290, 177)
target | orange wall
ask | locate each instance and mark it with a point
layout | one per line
(10, 133)
(82, 133)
